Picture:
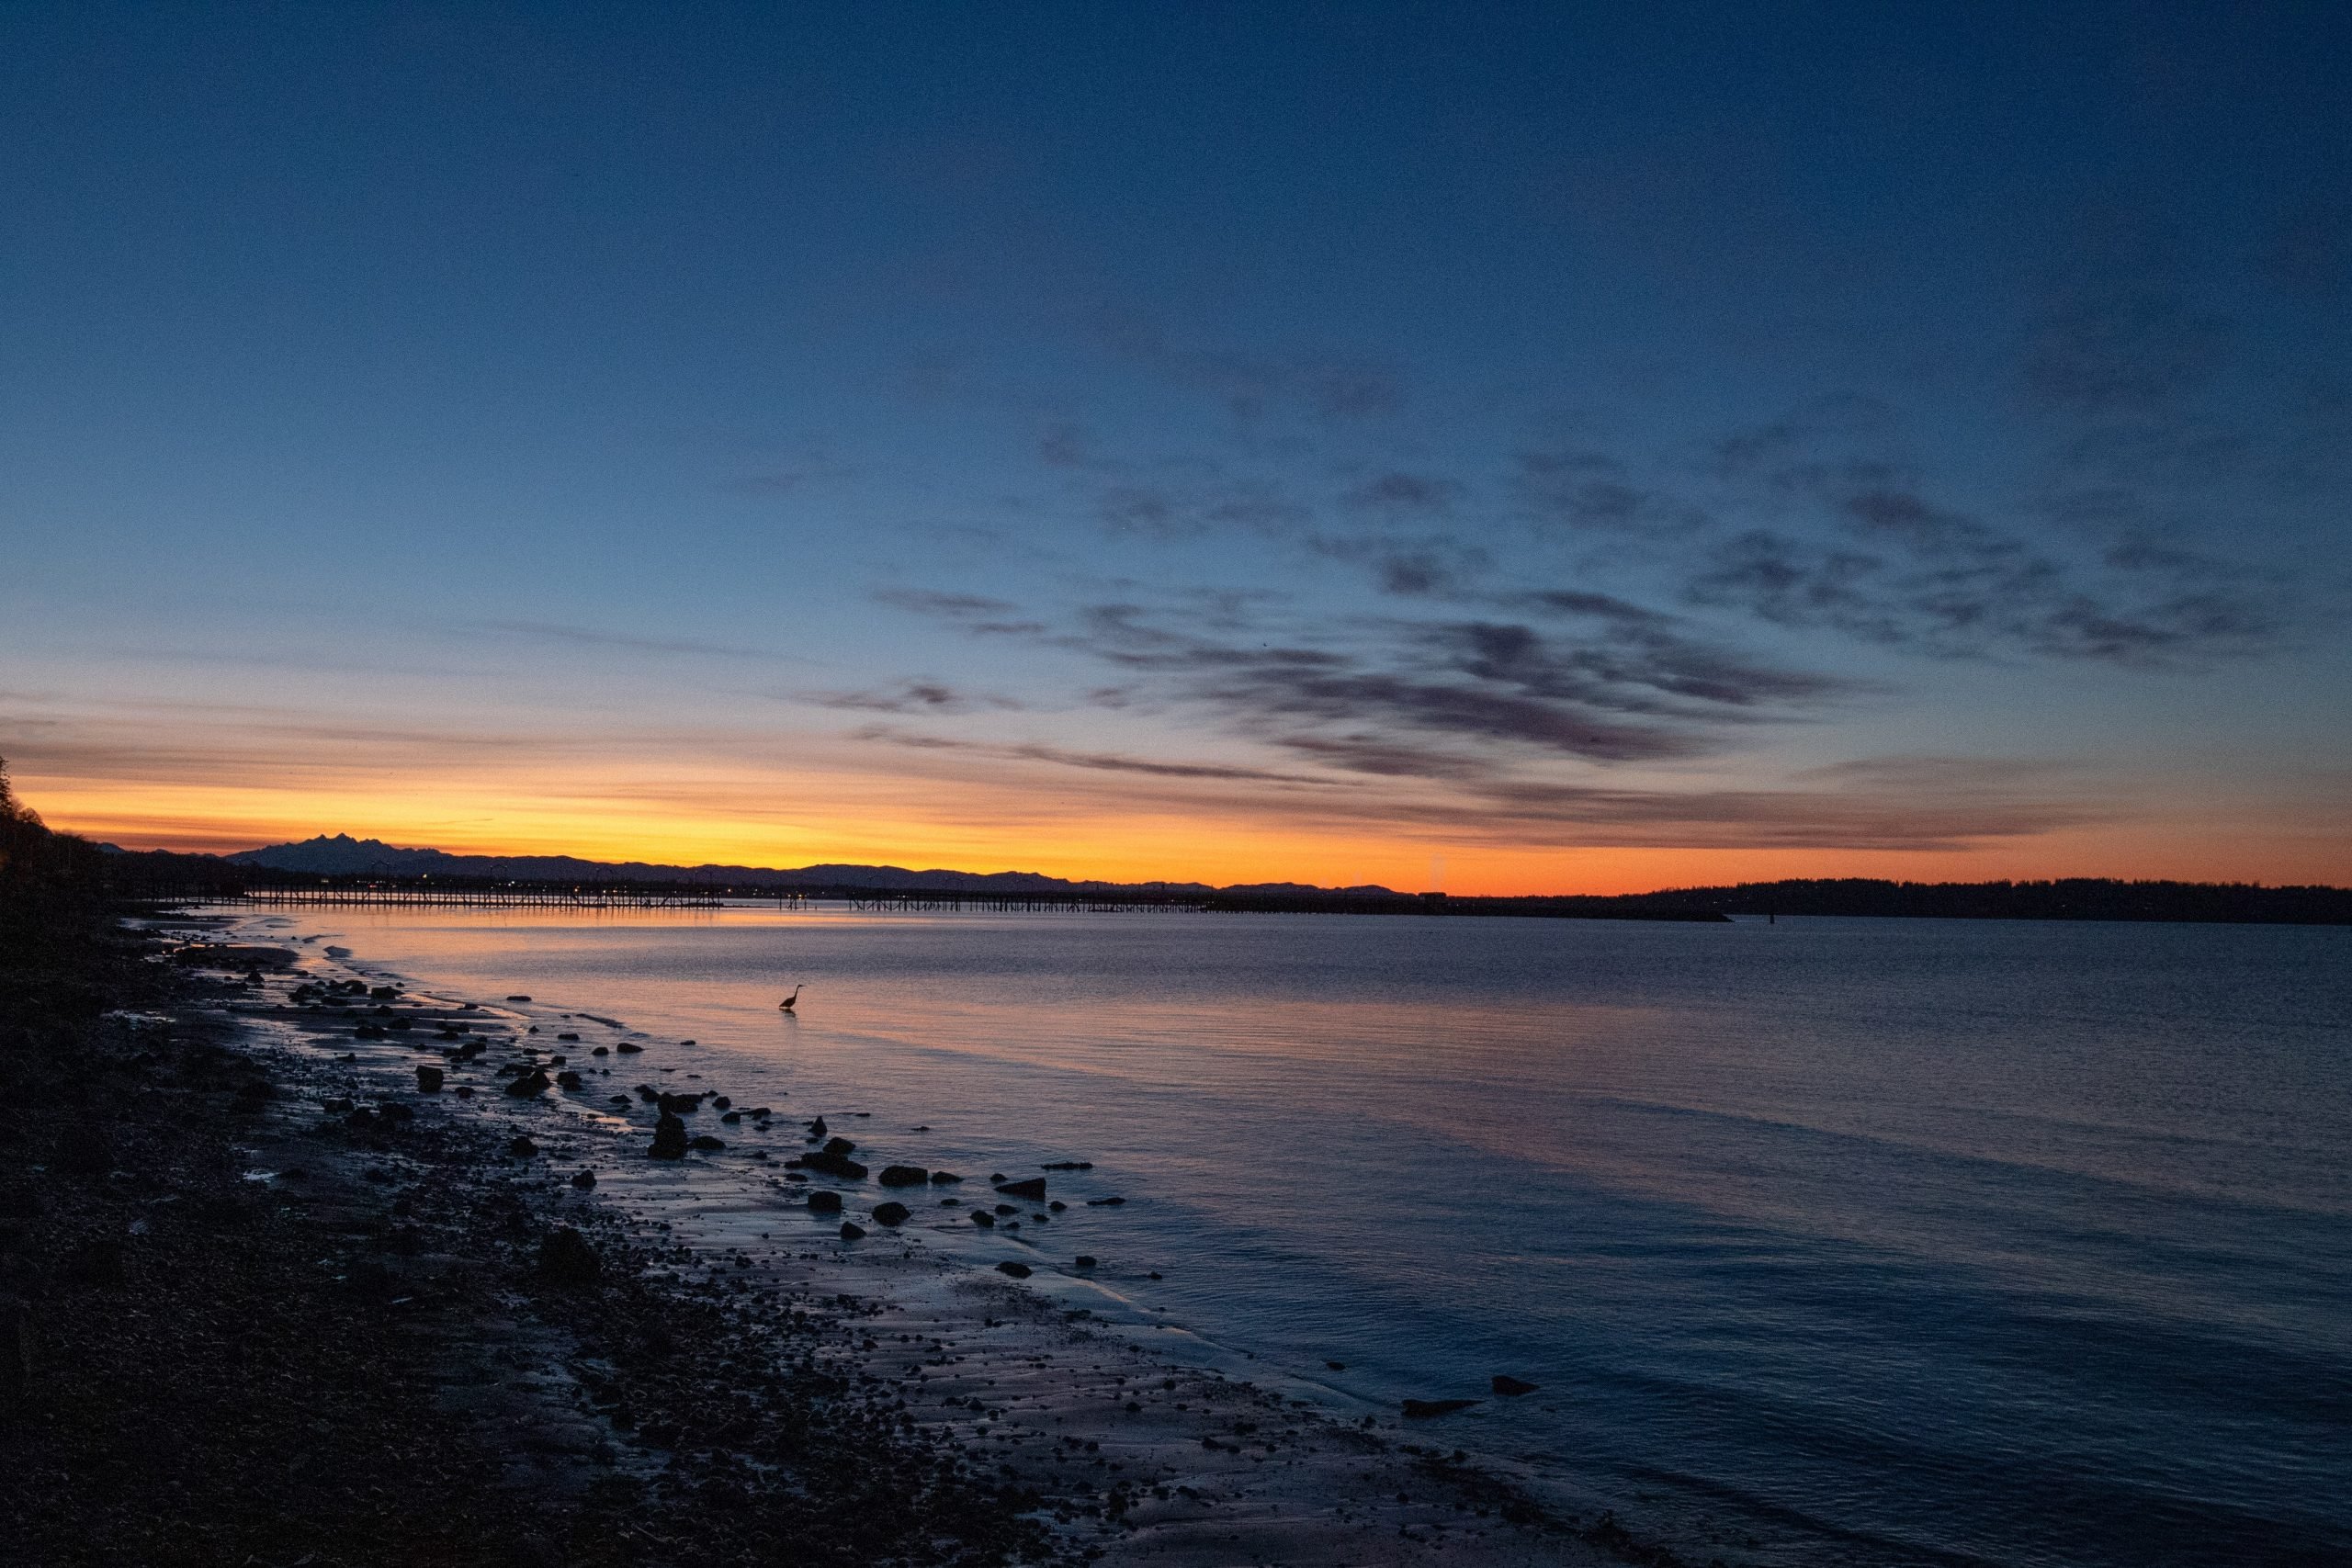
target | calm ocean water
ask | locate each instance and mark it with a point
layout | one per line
(1829, 1241)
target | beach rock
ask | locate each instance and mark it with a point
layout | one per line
(1006, 1209)
(619, 1100)
(1110, 1202)
(568, 1034)
(568, 1080)
(983, 1219)
(944, 1178)
(651, 1096)
(824, 1201)
(890, 1213)
(428, 1081)
(681, 1104)
(584, 1181)
(839, 1146)
(521, 1147)
(626, 1049)
(1424, 1409)
(732, 1118)
(1018, 1270)
(394, 1114)
(852, 1231)
(834, 1164)
(518, 999)
(1057, 1205)
(1510, 1387)
(707, 1144)
(1069, 1165)
(602, 1051)
(1086, 1260)
(903, 1176)
(567, 1257)
(534, 1082)
(669, 1138)
(817, 1128)
(722, 1101)
(1034, 1189)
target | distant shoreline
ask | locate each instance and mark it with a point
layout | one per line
(402, 877)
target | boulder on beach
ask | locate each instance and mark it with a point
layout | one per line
(518, 999)
(1018, 1270)
(707, 1144)
(839, 1146)
(1110, 1202)
(1423, 1409)
(1085, 1260)
(983, 1219)
(584, 1181)
(601, 1051)
(669, 1138)
(890, 1213)
(567, 1257)
(534, 1082)
(1034, 1189)
(853, 1231)
(1510, 1387)
(626, 1049)
(568, 1079)
(824, 1201)
(903, 1176)
(428, 1081)
(944, 1178)
(521, 1147)
(833, 1165)
(568, 1034)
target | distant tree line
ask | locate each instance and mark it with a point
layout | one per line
(48, 881)
(2068, 898)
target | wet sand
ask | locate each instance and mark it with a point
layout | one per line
(931, 1370)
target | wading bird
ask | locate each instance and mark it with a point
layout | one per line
(791, 1000)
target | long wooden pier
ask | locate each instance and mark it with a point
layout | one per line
(522, 896)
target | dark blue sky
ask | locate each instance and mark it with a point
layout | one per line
(1334, 438)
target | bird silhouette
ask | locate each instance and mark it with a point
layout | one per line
(791, 1000)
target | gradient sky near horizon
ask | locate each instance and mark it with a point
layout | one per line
(1495, 447)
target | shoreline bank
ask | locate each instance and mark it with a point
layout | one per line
(666, 1383)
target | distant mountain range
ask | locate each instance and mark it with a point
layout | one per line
(2064, 899)
(343, 855)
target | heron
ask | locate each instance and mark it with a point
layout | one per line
(787, 1005)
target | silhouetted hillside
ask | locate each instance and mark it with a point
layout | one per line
(343, 855)
(2069, 898)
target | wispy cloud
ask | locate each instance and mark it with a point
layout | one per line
(633, 642)
(912, 696)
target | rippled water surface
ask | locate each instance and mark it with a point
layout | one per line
(1833, 1240)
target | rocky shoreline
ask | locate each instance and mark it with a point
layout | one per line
(294, 1269)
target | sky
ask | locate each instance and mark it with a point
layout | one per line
(1482, 447)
